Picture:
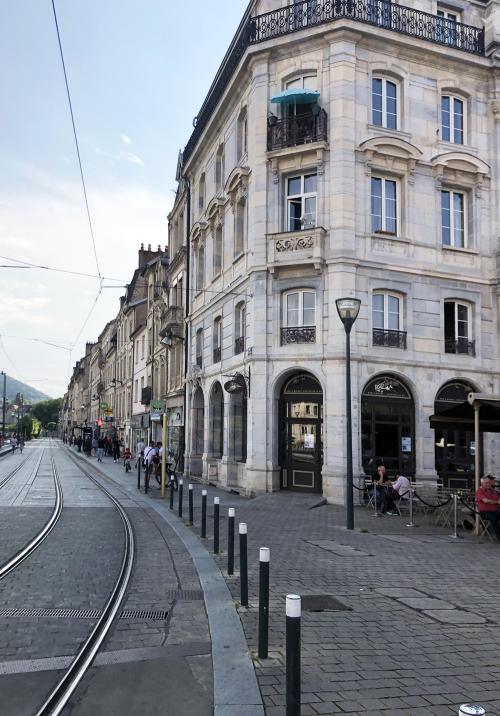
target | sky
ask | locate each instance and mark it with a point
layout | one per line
(138, 72)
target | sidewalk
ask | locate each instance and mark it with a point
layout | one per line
(416, 628)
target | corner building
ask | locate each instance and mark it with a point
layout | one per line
(344, 149)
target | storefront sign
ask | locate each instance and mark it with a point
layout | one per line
(104, 405)
(109, 419)
(237, 384)
(139, 421)
(157, 405)
(155, 417)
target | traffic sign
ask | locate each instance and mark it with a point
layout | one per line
(104, 405)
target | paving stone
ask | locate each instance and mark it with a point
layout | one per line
(455, 616)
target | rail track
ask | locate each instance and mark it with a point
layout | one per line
(68, 683)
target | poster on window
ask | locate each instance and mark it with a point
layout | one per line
(472, 448)
(309, 441)
(405, 444)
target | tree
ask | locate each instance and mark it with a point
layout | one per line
(47, 411)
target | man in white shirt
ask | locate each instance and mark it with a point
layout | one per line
(402, 486)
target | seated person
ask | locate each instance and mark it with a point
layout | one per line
(399, 489)
(379, 484)
(488, 503)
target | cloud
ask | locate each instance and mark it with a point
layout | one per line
(125, 139)
(131, 157)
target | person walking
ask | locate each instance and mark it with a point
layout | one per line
(13, 442)
(94, 447)
(21, 445)
(116, 450)
(100, 449)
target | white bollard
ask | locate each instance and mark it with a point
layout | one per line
(471, 710)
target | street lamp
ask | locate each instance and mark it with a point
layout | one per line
(348, 309)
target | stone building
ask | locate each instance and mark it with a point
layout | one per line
(344, 149)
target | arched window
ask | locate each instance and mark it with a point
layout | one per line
(216, 421)
(458, 328)
(218, 241)
(217, 339)
(200, 276)
(199, 347)
(201, 192)
(219, 169)
(387, 319)
(237, 446)
(385, 102)
(198, 423)
(240, 227)
(242, 134)
(239, 328)
(452, 119)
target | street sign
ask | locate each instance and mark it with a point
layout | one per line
(108, 419)
(156, 417)
(108, 411)
(157, 405)
(104, 405)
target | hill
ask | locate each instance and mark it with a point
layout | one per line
(31, 395)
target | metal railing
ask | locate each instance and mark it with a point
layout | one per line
(239, 345)
(296, 130)
(199, 361)
(216, 353)
(460, 345)
(393, 339)
(302, 334)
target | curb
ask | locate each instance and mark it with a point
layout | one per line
(235, 684)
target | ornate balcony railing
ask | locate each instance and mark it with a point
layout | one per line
(393, 339)
(380, 13)
(239, 345)
(216, 355)
(296, 130)
(460, 345)
(302, 334)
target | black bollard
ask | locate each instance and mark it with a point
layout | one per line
(191, 509)
(293, 609)
(243, 565)
(171, 494)
(230, 540)
(139, 472)
(216, 525)
(146, 478)
(203, 514)
(264, 556)
(181, 489)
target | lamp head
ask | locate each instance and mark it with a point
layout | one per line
(348, 309)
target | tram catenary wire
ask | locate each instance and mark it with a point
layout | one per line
(62, 692)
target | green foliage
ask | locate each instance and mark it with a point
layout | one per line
(36, 428)
(47, 411)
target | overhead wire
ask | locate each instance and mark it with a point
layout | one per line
(76, 143)
(36, 340)
(15, 368)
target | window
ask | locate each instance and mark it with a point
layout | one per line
(309, 81)
(242, 134)
(299, 317)
(384, 206)
(239, 328)
(453, 219)
(143, 343)
(136, 351)
(384, 103)
(240, 227)
(217, 339)
(219, 169)
(142, 384)
(199, 347)
(200, 275)
(387, 320)
(457, 328)
(217, 250)
(301, 202)
(452, 119)
(201, 192)
(446, 26)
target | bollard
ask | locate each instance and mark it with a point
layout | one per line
(455, 535)
(293, 610)
(230, 540)
(181, 490)
(243, 565)
(203, 514)
(190, 494)
(375, 495)
(171, 494)
(139, 472)
(471, 710)
(264, 556)
(410, 523)
(216, 525)
(146, 478)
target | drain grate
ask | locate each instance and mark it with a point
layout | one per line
(156, 614)
(184, 595)
(322, 603)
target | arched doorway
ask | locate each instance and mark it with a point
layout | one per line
(216, 424)
(197, 431)
(388, 425)
(455, 447)
(301, 433)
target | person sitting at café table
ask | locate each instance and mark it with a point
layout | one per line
(488, 503)
(399, 489)
(380, 483)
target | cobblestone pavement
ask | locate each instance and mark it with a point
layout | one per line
(418, 635)
(75, 568)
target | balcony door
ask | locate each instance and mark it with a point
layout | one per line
(301, 434)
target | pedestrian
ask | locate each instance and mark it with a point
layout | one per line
(488, 503)
(13, 442)
(116, 450)
(79, 443)
(127, 456)
(21, 445)
(94, 447)
(101, 444)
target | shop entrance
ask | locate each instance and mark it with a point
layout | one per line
(301, 434)
(388, 426)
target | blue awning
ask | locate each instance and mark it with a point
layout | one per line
(296, 96)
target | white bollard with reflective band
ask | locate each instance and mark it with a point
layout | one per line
(293, 613)
(471, 710)
(230, 512)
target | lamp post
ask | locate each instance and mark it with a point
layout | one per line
(348, 309)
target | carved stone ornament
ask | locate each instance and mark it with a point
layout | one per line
(294, 243)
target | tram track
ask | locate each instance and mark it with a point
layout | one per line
(14, 472)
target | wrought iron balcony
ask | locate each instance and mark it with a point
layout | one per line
(460, 345)
(239, 345)
(296, 130)
(380, 13)
(392, 339)
(216, 352)
(302, 334)
(199, 361)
